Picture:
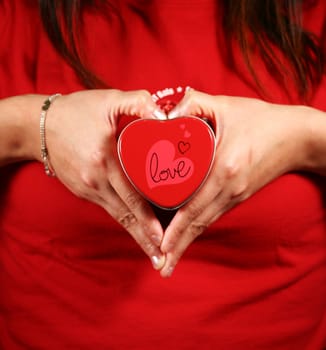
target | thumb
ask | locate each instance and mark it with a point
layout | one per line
(199, 104)
(139, 103)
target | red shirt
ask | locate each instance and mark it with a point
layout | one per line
(72, 278)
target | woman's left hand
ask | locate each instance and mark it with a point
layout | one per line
(257, 142)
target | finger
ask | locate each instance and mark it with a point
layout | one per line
(181, 232)
(186, 227)
(140, 208)
(199, 104)
(141, 104)
(191, 210)
(140, 232)
(115, 190)
(137, 205)
(188, 223)
(192, 220)
(132, 103)
(194, 230)
(142, 212)
(97, 189)
(173, 256)
(193, 103)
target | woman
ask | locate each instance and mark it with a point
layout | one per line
(250, 245)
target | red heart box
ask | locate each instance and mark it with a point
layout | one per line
(167, 160)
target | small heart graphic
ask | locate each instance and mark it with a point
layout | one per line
(183, 147)
(164, 168)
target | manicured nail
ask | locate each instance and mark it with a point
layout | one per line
(173, 114)
(158, 114)
(158, 261)
(177, 112)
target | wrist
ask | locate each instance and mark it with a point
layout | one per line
(30, 113)
(19, 134)
(44, 150)
(302, 145)
(315, 141)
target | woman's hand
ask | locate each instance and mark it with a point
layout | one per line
(81, 139)
(257, 142)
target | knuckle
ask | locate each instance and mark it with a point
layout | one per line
(127, 220)
(98, 159)
(231, 169)
(240, 191)
(132, 200)
(87, 182)
(197, 229)
(194, 210)
(177, 233)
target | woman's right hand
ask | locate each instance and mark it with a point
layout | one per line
(81, 139)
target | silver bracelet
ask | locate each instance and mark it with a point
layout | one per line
(44, 151)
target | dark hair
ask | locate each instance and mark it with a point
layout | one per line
(270, 24)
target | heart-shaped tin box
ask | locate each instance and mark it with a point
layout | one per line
(167, 161)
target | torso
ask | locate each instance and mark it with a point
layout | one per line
(72, 278)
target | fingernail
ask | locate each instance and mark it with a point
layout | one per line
(158, 261)
(173, 114)
(158, 114)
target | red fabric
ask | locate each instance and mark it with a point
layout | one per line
(72, 278)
